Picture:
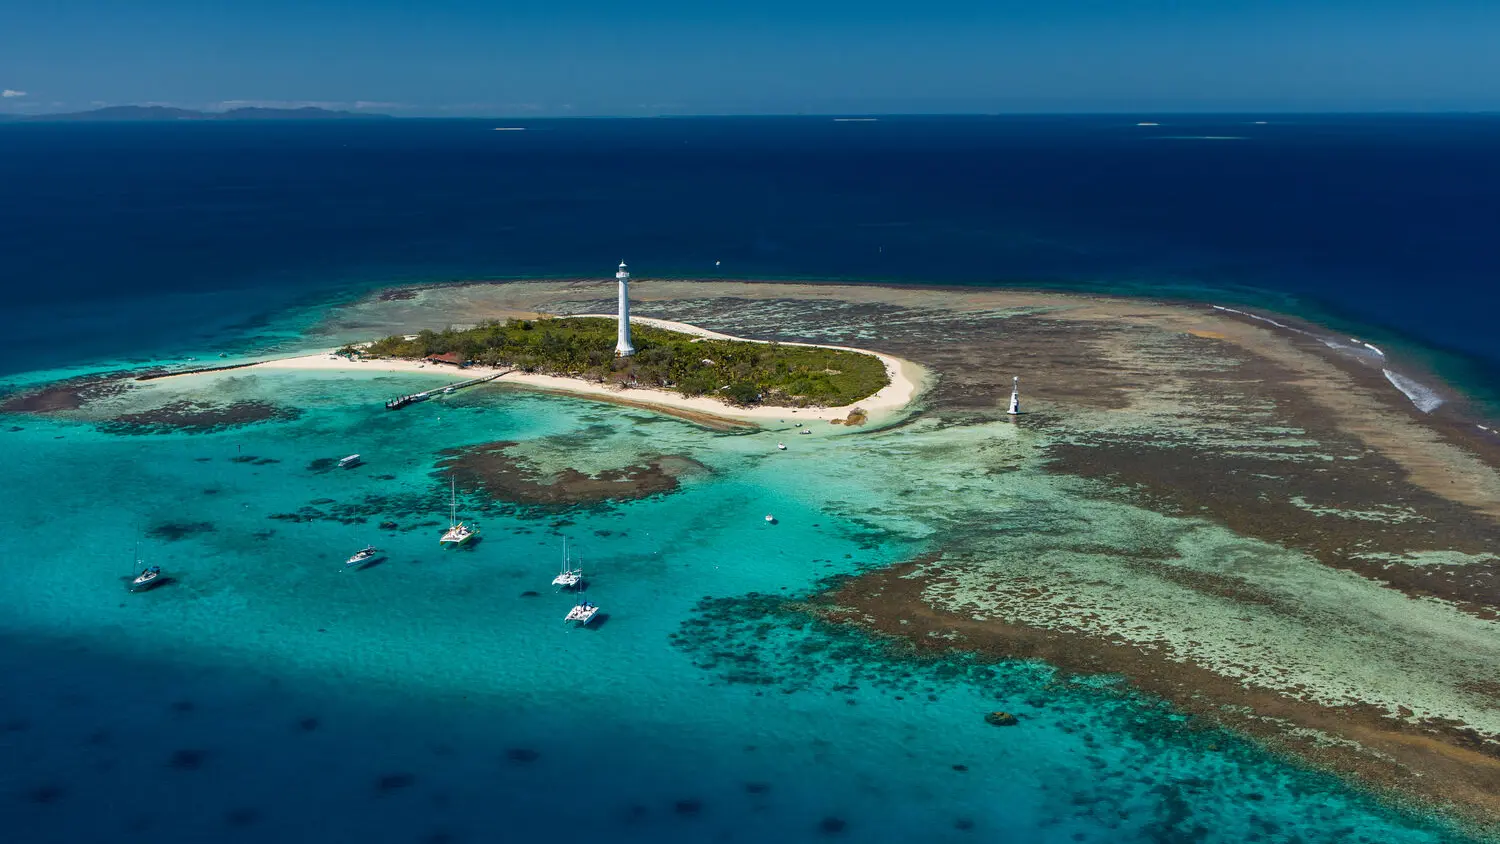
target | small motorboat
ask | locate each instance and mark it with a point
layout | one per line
(447, 391)
(770, 519)
(582, 614)
(350, 462)
(805, 431)
(362, 556)
(781, 446)
(149, 577)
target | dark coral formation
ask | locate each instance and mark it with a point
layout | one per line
(197, 417)
(45, 794)
(64, 396)
(394, 782)
(187, 760)
(493, 471)
(522, 755)
(688, 807)
(174, 531)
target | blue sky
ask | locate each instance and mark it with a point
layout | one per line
(589, 57)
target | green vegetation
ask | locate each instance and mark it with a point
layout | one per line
(740, 372)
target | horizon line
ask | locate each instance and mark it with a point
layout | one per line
(377, 115)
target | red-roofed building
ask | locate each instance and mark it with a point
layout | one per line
(450, 358)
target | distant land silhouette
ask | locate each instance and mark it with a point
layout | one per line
(162, 113)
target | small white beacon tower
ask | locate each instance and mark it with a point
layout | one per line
(622, 343)
(1015, 396)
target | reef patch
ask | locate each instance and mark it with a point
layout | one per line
(492, 470)
(63, 396)
(197, 417)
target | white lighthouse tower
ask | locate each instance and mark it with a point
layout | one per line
(622, 343)
(1015, 396)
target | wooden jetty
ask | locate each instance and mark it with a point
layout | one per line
(402, 401)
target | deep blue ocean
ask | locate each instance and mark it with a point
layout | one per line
(117, 238)
(265, 694)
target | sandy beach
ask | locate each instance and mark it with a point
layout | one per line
(907, 381)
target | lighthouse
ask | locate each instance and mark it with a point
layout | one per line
(1015, 396)
(622, 343)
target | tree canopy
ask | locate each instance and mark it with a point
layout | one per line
(740, 372)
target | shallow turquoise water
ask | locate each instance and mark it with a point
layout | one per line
(268, 693)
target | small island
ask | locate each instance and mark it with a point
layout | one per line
(742, 372)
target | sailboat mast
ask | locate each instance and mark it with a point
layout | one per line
(453, 487)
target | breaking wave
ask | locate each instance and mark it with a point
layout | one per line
(1259, 317)
(1422, 396)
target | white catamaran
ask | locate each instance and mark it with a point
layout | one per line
(583, 613)
(457, 533)
(568, 577)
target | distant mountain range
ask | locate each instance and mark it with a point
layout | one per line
(163, 113)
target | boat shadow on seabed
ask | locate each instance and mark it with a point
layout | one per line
(160, 582)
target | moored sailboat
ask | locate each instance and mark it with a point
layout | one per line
(582, 613)
(568, 577)
(457, 533)
(149, 576)
(362, 556)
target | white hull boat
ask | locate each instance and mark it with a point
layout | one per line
(457, 533)
(148, 578)
(581, 614)
(362, 556)
(568, 577)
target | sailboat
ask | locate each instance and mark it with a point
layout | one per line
(362, 556)
(568, 577)
(582, 613)
(149, 576)
(457, 533)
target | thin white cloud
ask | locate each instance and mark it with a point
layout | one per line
(8, 93)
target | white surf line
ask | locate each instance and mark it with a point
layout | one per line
(1421, 396)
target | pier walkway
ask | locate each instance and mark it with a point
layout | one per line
(402, 401)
